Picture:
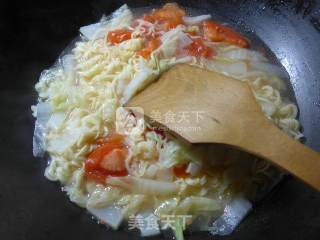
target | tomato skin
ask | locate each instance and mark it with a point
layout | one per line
(97, 169)
(218, 33)
(198, 49)
(180, 171)
(150, 46)
(119, 35)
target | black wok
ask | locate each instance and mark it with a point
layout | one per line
(33, 35)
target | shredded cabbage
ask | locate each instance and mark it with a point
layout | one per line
(144, 186)
(175, 152)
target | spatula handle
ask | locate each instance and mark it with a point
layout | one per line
(273, 144)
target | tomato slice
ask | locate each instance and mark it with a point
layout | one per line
(180, 171)
(170, 15)
(198, 49)
(114, 160)
(107, 160)
(118, 36)
(150, 46)
(218, 33)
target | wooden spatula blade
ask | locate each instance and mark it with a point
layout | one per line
(229, 114)
(201, 96)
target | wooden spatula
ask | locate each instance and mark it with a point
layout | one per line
(226, 112)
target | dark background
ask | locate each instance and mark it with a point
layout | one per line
(32, 36)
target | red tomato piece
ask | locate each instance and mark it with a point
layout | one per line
(218, 33)
(148, 18)
(170, 11)
(180, 171)
(198, 49)
(150, 46)
(170, 15)
(118, 36)
(114, 161)
(96, 176)
(107, 160)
